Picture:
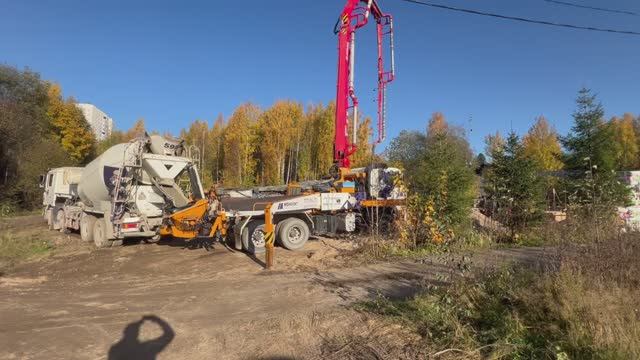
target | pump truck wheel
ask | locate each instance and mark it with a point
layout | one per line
(87, 222)
(293, 233)
(253, 237)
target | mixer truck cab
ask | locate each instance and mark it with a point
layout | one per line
(123, 193)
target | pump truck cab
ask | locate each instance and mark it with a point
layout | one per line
(122, 193)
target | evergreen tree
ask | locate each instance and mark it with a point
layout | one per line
(591, 156)
(514, 187)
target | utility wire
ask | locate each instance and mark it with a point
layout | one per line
(515, 18)
(593, 7)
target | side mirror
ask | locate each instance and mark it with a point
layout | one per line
(41, 181)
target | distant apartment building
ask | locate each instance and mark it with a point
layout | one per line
(101, 123)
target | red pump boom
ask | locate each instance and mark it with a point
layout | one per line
(355, 15)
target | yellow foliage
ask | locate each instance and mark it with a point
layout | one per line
(541, 144)
(364, 150)
(137, 130)
(240, 144)
(69, 127)
(437, 124)
(626, 142)
(493, 143)
(278, 127)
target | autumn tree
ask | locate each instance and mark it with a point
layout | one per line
(321, 130)
(277, 131)
(437, 124)
(138, 129)
(493, 143)
(541, 144)
(214, 159)
(69, 126)
(439, 173)
(27, 148)
(116, 137)
(241, 144)
(364, 149)
(197, 144)
(626, 142)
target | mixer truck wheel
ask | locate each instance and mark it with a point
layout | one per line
(60, 221)
(49, 216)
(100, 234)
(253, 237)
(86, 227)
(293, 233)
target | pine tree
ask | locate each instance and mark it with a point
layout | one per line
(514, 187)
(542, 146)
(591, 157)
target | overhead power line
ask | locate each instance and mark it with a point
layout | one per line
(521, 19)
(594, 8)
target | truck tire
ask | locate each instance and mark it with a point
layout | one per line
(100, 234)
(60, 221)
(87, 222)
(293, 233)
(253, 237)
(49, 216)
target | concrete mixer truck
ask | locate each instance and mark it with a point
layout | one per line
(122, 193)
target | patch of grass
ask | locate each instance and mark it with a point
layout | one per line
(14, 249)
(466, 238)
(584, 305)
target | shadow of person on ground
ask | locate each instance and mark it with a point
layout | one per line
(130, 347)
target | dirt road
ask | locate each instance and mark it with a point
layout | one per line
(144, 300)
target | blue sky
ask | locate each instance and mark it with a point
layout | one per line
(175, 61)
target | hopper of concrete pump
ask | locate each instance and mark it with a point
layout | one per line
(163, 168)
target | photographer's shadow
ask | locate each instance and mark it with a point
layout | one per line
(130, 347)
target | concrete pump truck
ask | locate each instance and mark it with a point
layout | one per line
(131, 190)
(370, 195)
